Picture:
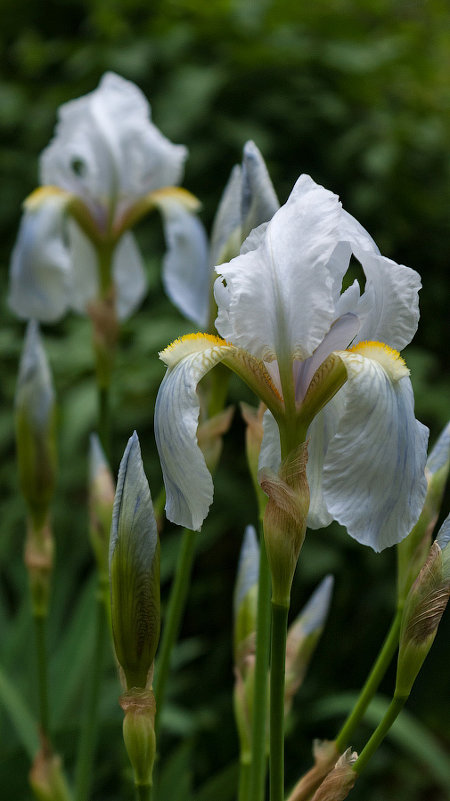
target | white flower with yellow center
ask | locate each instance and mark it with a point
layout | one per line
(325, 362)
(106, 167)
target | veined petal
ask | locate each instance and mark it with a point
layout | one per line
(189, 487)
(107, 150)
(374, 480)
(279, 297)
(389, 306)
(320, 433)
(40, 264)
(85, 281)
(186, 271)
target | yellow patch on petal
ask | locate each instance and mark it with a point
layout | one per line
(44, 193)
(191, 343)
(390, 359)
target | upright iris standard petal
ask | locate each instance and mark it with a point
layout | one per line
(107, 150)
(40, 265)
(261, 292)
(374, 473)
(258, 197)
(188, 483)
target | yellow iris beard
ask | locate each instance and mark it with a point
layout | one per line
(390, 359)
(191, 343)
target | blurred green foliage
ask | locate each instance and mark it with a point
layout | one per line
(355, 92)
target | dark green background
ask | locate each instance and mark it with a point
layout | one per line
(358, 95)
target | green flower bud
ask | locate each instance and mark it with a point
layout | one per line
(101, 499)
(412, 551)
(134, 570)
(139, 733)
(35, 427)
(423, 610)
(246, 597)
(303, 636)
(285, 520)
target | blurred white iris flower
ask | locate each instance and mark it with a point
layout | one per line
(106, 167)
(324, 361)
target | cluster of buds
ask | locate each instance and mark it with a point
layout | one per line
(135, 606)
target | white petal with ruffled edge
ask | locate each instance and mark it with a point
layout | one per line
(389, 306)
(107, 151)
(374, 481)
(186, 270)
(279, 296)
(40, 264)
(189, 487)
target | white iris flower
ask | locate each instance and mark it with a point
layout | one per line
(106, 166)
(323, 360)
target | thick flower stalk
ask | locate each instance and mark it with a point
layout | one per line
(135, 609)
(325, 363)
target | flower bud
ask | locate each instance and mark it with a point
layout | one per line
(285, 520)
(47, 778)
(412, 551)
(339, 781)
(423, 610)
(101, 499)
(35, 427)
(246, 597)
(303, 636)
(134, 570)
(209, 436)
(139, 733)
(325, 758)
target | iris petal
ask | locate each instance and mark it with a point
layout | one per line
(374, 480)
(189, 487)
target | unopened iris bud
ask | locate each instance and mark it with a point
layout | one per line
(412, 551)
(423, 610)
(246, 599)
(101, 499)
(209, 436)
(338, 783)
(139, 733)
(303, 636)
(134, 571)
(35, 427)
(47, 777)
(325, 757)
(285, 520)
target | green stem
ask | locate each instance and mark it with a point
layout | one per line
(41, 654)
(380, 732)
(175, 610)
(143, 792)
(89, 726)
(244, 777)
(277, 670)
(258, 763)
(371, 685)
(104, 419)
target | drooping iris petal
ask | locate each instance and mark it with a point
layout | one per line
(107, 151)
(389, 307)
(186, 269)
(129, 275)
(277, 299)
(189, 487)
(84, 269)
(320, 433)
(374, 480)
(40, 265)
